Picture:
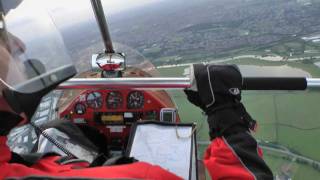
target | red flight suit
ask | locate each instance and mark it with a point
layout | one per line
(237, 157)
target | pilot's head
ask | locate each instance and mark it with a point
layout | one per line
(10, 48)
(9, 61)
(10, 45)
(24, 81)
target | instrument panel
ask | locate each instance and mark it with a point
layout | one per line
(113, 112)
(114, 100)
(116, 107)
(80, 108)
(94, 100)
(135, 100)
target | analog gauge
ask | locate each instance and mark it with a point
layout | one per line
(80, 108)
(135, 100)
(94, 100)
(114, 100)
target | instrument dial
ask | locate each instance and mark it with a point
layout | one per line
(94, 100)
(80, 108)
(114, 100)
(135, 100)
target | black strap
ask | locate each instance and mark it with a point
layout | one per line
(246, 149)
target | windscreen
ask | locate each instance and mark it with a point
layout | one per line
(34, 55)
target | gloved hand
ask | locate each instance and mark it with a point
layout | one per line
(216, 89)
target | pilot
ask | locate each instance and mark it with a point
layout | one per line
(232, 154)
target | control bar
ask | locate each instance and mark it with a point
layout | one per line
(249, 83)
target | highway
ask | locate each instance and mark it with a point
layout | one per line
(274, 58)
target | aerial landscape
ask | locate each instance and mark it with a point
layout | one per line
(264, 35)
(175, 32)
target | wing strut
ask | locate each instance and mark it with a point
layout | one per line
(103, 26)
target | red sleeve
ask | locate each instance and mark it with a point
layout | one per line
(236, 157)
(4, 151)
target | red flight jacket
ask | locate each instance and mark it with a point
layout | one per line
(226, 158)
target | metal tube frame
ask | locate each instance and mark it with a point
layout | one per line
(313, 83)
(162, 83)
(103, 26)
(153, 82)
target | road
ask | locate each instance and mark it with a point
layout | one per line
(274, 58)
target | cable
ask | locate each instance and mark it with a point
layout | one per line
(199, 128)
(53, 141)
(187, 137)
(196, 128)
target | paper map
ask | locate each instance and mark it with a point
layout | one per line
(160, 145)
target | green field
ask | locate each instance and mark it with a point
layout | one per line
(291, 119)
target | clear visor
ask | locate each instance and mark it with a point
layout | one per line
(32, 51)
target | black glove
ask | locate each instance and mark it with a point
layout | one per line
(8, 121)
(217, 91)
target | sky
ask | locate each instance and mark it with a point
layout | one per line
(122, 5)
(30, 13)
(69, 11)
(111, 6)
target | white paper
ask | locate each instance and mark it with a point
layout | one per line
(160, 145)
